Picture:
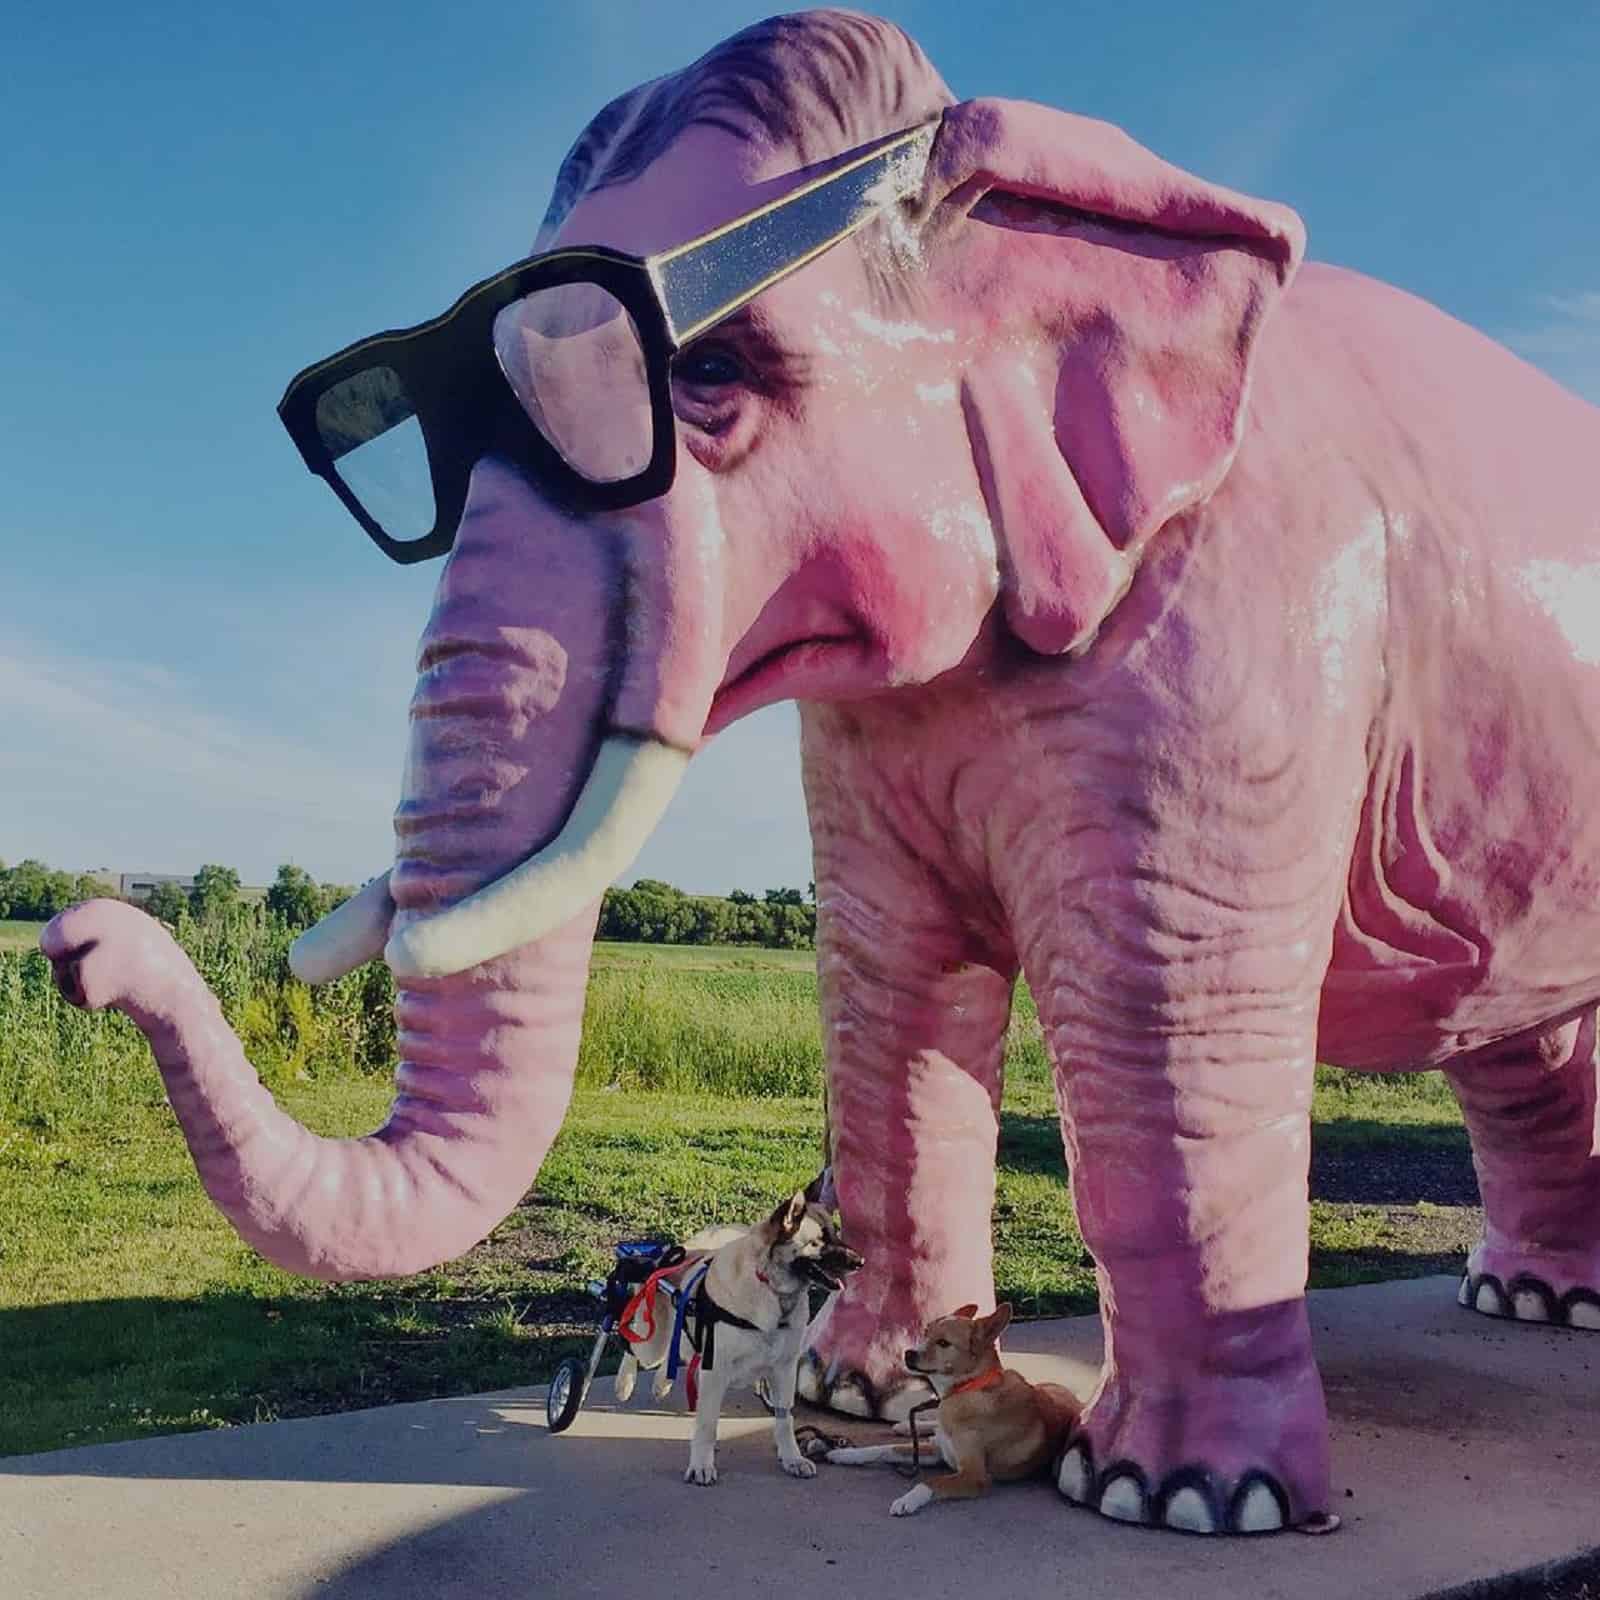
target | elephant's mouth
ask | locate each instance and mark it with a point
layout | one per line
(827, 667)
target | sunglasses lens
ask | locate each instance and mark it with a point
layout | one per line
(575, 361)
(369, 427)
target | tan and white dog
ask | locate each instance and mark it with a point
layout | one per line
(993, 1425)
(757, 1287)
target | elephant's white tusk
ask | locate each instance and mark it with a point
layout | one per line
(631, 784)
(348, 937)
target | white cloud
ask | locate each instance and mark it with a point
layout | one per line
(1565, 341)
(111, 763)
(119, 764)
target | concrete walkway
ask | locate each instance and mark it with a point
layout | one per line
(1462, 1448)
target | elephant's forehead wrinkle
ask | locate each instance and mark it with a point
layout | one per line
(897, 335)
(1570, 596)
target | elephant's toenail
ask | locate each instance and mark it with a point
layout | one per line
(1258, 1506)
(1582, 1309)
(1123, 1499)
(1187, 1511)
(849, 1396)
(1488, 1299)
(1531, 1300)
(1076, 1477)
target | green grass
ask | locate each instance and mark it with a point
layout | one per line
(19, 935)
(128, 1307)
(610, 954)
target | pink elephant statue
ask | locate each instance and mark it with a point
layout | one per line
(1210, 636)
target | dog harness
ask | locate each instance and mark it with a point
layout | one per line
(695, 1312)
(703, 1334)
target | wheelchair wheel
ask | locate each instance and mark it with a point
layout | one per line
(566, 1394)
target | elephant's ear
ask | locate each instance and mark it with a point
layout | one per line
(1121, 303)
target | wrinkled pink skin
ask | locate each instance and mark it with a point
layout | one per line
(1320, 785)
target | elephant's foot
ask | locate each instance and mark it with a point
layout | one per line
(1561, 1289)
(839, 1385)
(853, 1365)
(1206, 1455)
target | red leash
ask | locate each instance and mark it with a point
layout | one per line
(646, 1296)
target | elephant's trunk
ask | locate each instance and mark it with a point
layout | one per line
(485, 1072)
(520, 678)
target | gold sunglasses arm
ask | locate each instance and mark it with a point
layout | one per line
(707, 278)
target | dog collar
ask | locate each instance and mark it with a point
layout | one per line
(786, 1302)
(984, 1380)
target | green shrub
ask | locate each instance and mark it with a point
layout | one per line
(60, 1065)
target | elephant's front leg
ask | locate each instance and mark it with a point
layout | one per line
(914, 1030)
(1186, 1109)
(1189, 1149)
(1176, 949)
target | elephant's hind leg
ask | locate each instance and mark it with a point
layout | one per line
(1529, 1106)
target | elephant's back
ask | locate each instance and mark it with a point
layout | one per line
(1473, 901)
(1448, 391)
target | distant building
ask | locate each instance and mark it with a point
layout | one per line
(139, 886)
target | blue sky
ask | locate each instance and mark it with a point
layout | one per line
(201, 658)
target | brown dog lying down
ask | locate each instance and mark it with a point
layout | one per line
(994, 1426)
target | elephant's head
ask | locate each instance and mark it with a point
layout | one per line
(1030, 349)
(1034, 354)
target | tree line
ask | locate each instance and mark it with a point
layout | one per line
(653, 912)
(33, 892)
(650, 912)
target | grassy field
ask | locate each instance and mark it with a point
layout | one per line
(609, 956)
(128, 1307)
(19, 935)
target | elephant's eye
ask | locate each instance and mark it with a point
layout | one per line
(708, 366)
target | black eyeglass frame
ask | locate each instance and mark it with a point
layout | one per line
(466, 408)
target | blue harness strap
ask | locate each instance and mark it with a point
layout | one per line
(686, 1293)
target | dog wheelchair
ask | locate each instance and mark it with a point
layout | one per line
(643, 1267)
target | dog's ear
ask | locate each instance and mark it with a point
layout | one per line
(820, 1191)
(965, 1311)
(786, 1219)
(994, 1324)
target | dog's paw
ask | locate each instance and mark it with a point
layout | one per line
(911, 1502)
(799, 1467)
(705, 1474)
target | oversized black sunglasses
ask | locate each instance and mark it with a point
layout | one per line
(579, 391)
